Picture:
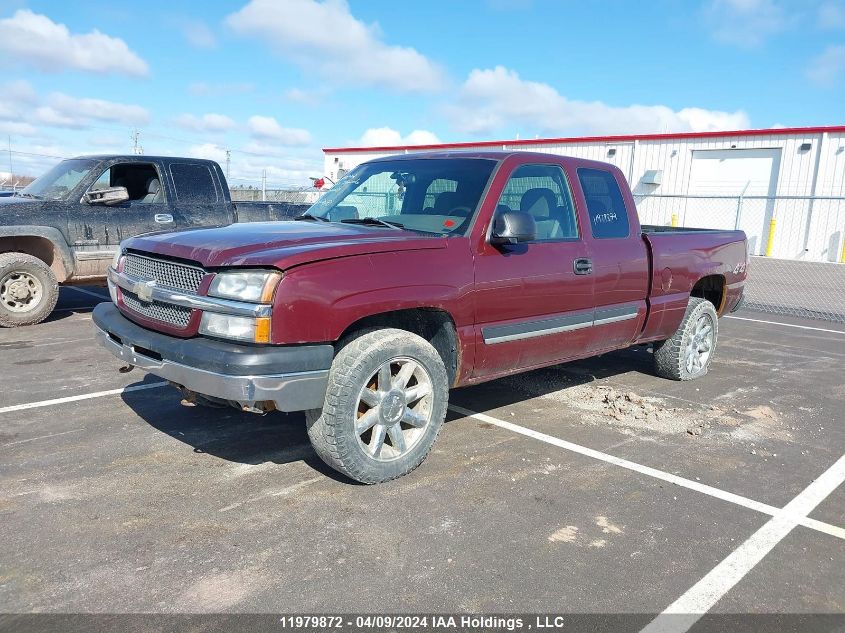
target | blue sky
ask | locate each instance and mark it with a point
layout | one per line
(274, 81)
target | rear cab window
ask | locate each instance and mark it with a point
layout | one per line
(438, 186)
(605, 204)
(193, 183)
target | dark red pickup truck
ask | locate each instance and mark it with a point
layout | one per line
(413, 275)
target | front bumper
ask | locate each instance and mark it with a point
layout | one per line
(294, 378)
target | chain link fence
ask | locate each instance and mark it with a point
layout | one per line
(293, 196)
(797, 244)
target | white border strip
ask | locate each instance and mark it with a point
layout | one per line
(682, 614)
(739, 500)
(85, 396)
(800, 327)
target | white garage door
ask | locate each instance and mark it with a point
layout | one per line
(728, 174)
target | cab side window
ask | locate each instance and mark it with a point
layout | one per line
(605, 205)
(140, 179)
(543, 192)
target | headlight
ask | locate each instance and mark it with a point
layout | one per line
(254, 330)
(115, 263)
(256, 286)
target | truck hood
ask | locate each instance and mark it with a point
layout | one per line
(17, 211)
(10, 200)
(281, 244)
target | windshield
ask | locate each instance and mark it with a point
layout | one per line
(60, 180)
(430, 195)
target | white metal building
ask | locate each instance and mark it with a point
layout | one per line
(743, 179)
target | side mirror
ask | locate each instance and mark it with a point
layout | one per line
(108, 196)
(513, 227)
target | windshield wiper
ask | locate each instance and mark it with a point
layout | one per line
(311, 216)
(375, 222)
(24, 194)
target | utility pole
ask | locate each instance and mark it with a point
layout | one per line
(228, 160)
(264, 185)
(10, 157)
(136, 149)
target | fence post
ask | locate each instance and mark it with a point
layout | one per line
(770, 243)
(739, 210)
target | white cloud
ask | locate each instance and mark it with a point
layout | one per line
(205, 89)
(306, 97)
(35, 40)
(209, 151)
(65, 111)
(326, 39)
(246, 169)
(498, 99)
(198, 34)
(387, 137)
(832, 15)
(826, 69)
(267, 128)
(745, 23)
(16, 97)
(17, 128)
(210, 122)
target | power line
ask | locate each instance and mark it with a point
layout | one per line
(15, 151)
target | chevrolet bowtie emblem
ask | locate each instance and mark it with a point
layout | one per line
(144, 290)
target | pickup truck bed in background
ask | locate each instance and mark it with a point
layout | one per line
(66, 225)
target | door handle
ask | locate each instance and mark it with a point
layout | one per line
(582, 266)
(163, 218)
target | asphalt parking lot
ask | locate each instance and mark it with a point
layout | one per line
(593, 487)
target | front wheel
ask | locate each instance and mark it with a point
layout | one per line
(385, 403)
(687, 355)
(28, 290)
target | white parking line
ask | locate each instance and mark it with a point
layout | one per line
(85, 396)
(89, 292)
(800, 327)
(745, 502)
(688, 609)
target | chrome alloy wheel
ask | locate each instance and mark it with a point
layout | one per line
(20, 291)
(700, 345)
(394, 409)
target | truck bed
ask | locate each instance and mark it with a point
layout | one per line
(660, 228)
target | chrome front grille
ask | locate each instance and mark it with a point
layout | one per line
(164, 272)
(177, 316)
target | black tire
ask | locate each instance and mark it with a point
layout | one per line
(670, 356)
(332, 429)
(17, 269)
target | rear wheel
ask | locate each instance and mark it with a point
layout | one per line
(28, 290)
(687, 355)
(385, 404)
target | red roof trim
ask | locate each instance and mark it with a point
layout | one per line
(593, 139)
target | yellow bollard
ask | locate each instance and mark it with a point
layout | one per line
(842, 257)
(770, 244)
(674, 219)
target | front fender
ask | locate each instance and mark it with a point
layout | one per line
(55, 237)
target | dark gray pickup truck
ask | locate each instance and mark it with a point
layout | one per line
(65, 227)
